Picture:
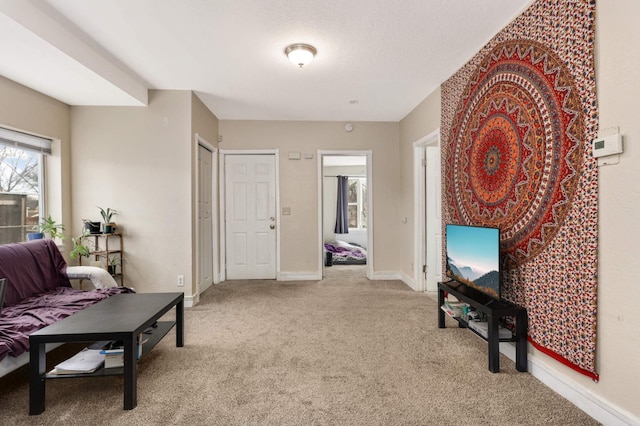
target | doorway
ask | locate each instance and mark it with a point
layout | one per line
(353, 246)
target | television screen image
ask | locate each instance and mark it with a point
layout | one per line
(473, 257)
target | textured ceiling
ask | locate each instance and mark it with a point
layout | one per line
(376, 61)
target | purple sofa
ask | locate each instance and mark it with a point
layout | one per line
(38, 294)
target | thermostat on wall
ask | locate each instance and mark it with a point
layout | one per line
(607, 145)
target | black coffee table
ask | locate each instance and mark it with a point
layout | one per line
(120, 317)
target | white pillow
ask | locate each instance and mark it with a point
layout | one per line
(99, 277)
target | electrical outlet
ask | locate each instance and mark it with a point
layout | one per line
(180, 280)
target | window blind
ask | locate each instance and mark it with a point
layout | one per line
(25, 141)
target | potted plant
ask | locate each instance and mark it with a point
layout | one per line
(47, 226)
(112, 263)
(109, 227)
(79, 249)
(36, 234)
(91, 227)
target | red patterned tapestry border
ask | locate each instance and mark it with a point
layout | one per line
(517, 122)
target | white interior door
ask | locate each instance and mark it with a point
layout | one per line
(433, 237)
(250, 213)
(205, 219)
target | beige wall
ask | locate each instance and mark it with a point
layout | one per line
(422, 121)
(25, 109)
(618, 88)
(203, 122)
(138, 160)
(300, 248)
(618, 346)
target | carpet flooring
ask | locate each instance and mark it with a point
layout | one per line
(341, 351)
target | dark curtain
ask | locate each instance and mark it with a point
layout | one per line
(342, 212)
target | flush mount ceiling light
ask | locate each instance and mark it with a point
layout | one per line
(300, 53)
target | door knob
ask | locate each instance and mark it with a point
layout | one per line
(272, 226)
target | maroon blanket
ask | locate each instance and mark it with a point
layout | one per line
(31, 268)
(36, 312)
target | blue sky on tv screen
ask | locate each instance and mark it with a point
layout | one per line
(474, 246)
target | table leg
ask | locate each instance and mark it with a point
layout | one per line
(493, 338)
(521, 342)
(130, 372)
(180, 324)
(37, 368)
(440, 311)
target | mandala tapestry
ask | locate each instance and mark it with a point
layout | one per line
(517, 122)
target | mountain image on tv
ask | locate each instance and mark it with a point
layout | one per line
(488, 282)
(473, 257)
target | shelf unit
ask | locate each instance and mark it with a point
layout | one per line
(102, 251)
(153, 336)
(494, 310)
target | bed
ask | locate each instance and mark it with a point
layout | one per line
(343, 253)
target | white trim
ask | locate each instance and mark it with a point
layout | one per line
(223, 245)
(300, 276)
(598, 408)
(601, 410)
(409, 281)
(249, 151)
(370, 243)
(200, 141)
(419, 206)
(214, 218)
(386, 276)
(191, 301)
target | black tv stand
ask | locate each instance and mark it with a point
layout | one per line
(494, 310)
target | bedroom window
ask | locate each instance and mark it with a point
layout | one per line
(21, 183)
(357, 198)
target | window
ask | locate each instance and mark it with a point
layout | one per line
(357, 199)
(21, 183)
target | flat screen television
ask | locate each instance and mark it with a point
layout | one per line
(473, 257)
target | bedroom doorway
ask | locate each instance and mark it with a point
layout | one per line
(349, 250)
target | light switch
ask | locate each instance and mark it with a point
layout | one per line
(286, 211)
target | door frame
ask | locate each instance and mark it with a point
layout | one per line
(199, 140)
(419, 207)
(223, 203)
(370, 244)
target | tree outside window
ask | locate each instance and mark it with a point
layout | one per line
(357, 199)
(19, 193)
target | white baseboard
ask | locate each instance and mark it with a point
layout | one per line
(299, 276)
(191, 301)
(598, 408)
(409, 281)
(386, 275)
